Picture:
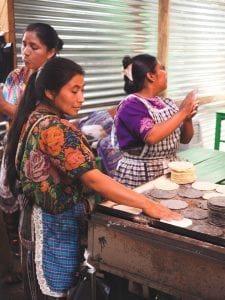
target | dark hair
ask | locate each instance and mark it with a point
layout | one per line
(47, 35)
(54, 74)
(141, 65)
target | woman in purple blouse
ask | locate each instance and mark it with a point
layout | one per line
(149, 128)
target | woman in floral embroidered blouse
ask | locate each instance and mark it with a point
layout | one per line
(149, 128)
(53, 163)
(40, 42)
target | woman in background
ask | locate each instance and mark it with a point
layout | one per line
(149, 128)
(40, 42)
(53, 163)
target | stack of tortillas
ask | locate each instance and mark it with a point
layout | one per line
(182, 172)
(216, 208)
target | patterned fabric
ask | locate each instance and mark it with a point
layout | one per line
(54, 158)
(131, 134)
(102, 118)
(32, 290)
(57, 248)
(15, 84)
(8, 203)
(133, 169)
(110, 155)
(12, 91)
(49, 167)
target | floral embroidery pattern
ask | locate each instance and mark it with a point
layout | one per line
(36, 167)
(146, 124)
(52, 140)
(51, 162)
(74, 158)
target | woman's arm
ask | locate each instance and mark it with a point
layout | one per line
(161, 130)
(187, 132)
(6, 107)
(187, 110)
(116, 192)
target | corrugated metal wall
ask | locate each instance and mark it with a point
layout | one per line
(97, 34)
(196, 47)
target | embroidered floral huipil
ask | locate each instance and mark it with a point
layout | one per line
(50, 164)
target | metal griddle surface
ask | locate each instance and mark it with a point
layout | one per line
(145, 220)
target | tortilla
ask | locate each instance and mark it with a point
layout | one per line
(180, 223)
(204, 185)
(220, 188)
(189, 192)
(108, 203)
(162, 194)
(180, 166)
(165, 184)
(208, 229)
(195, 213)
(174, 204)
(128, 209)
(209, 195)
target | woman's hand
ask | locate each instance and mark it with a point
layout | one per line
(190, 104)
(116, 192)
(159, 211)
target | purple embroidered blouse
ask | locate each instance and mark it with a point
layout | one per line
(133, 122)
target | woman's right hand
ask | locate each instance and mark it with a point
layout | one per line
(190, 104)
(158, 211)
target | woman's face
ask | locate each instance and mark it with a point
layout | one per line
(70, 97)
(161, 78)
(34, 52)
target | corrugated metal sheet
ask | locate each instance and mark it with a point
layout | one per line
(196, 47)
(97, 34)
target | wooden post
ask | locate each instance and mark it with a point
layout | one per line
(163, 32)
(11, 24)
(7, 23)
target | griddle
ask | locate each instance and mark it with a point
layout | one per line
(146, 220)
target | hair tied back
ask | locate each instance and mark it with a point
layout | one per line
(128, 72)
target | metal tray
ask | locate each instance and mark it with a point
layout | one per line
(143, 219)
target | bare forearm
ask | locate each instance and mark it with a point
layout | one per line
(187, 131)
(112, 190)
(164, 129)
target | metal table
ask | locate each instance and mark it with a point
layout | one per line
(210, 164)
(176, 264)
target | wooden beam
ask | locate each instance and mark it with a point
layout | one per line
(4, 16)
(163, 31)
(7, 23)
(11, 26)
